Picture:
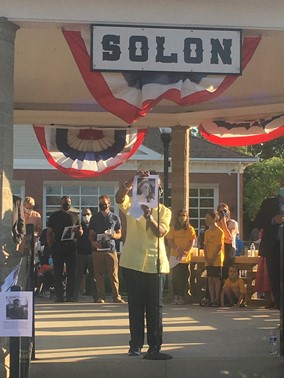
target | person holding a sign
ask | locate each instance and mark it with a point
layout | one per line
(63, 227)
(143, 251)
(104, 230)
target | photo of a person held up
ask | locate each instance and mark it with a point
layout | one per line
(147, 193)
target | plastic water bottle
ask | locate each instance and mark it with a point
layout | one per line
(272, 343)
(252, 249)
(50, 261)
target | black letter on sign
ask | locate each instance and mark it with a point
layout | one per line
(111, 50)
(160, 52)
(223, 51)
(195, 54)
(142, 43)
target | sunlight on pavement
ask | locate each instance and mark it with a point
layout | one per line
(79, 354)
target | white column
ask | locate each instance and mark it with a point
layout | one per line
(7, 39)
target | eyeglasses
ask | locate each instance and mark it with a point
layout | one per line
(182, 215)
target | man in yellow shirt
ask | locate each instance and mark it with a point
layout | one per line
(139, 259)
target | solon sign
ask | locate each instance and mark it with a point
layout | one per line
(132, 48)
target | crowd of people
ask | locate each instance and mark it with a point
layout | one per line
(89, 244)
(69, 247)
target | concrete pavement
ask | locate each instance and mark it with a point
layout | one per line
(91, 340)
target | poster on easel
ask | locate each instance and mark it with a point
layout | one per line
(16, 315)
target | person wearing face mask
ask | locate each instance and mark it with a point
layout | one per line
(214, 256)
(269, 218)
(64, 251)
(31, 217)
(104, 230)
(231, 229)
(84, 260)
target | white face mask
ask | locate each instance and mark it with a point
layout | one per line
(86, 218)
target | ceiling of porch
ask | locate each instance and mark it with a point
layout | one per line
(49, 87)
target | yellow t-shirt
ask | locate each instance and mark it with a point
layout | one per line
(140, 250)
(212, 238)
(181, 239)
(233, 284)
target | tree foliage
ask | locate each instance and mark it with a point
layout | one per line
(261, 180)
(267, 150)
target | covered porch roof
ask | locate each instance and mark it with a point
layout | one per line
(49, 88)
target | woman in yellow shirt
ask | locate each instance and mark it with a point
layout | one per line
(180, 238)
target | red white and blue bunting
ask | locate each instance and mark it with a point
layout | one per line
(132, 95)
(90, 152)
(243, 133)
(86, 153)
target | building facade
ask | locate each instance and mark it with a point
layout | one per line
(215, 175)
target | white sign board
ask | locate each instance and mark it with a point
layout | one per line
(16, 313)
(167, 49)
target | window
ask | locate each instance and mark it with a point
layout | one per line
(18, 189)
(82, 196)
(203, 198)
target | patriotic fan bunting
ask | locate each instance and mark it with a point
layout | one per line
(243, 133)
(90, 152)
(132, 95)
(85, 153)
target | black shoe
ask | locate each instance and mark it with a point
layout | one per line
(134, 352)
(154, 353)
(153, 350)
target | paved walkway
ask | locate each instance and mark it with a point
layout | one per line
(91, 340)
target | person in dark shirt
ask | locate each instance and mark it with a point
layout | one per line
(84, 257)
(63, 251)
(105, 257)
(16, 311)
(269, 218)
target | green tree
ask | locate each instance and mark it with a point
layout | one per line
(267, 150)
(261, 180)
